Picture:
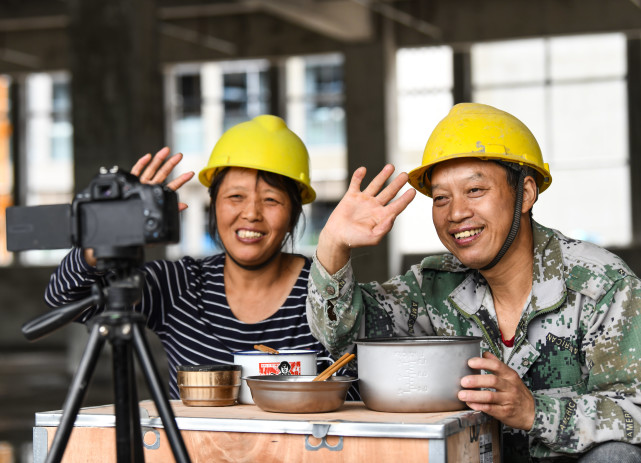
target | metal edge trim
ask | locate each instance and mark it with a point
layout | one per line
(439, 430)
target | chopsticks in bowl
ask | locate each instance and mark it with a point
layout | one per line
(265, 349)
(334, 367)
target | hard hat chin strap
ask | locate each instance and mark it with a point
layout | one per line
(516, 223)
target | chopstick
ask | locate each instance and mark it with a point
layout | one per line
(266, 349)
(334, 367)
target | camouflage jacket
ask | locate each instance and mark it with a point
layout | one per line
(577, 345)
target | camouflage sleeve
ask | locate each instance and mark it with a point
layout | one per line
(340, 310)
(333, 314)
(610, 407)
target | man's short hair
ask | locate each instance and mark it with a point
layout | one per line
(513, 172)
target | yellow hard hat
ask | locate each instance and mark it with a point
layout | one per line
(263, 143)
(473, 130)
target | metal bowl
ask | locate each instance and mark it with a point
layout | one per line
(209, 385)
(298, 394)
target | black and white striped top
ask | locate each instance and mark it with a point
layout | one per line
(185, 305)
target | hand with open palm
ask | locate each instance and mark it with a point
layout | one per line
(362, 218)
(156, 169)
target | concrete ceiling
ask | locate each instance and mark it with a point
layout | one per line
(33, 33)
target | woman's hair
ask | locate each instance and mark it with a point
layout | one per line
(289, 186)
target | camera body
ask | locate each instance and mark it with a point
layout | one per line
(115, 210)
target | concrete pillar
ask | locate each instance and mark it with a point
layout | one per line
(116, 93)
(16, 97)
(278, 88)
(370, 105)
(116, 84)
(634, 122)
(462, 91)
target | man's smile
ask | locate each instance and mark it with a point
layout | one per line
(467, 233)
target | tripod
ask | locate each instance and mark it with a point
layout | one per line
(123, 329)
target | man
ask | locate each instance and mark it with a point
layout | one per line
(285, 368)
(560, 319)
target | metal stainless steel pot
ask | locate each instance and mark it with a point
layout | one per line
(414, 374)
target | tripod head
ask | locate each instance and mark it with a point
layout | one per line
(123, 289)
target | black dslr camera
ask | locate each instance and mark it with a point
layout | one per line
(114, 211)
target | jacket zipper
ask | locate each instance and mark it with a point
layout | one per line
(541, 312)
(486, 336)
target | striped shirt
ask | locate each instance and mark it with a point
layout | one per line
(185, 304)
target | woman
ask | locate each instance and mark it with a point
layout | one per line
(203, 310)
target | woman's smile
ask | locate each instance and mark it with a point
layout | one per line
(249, 235)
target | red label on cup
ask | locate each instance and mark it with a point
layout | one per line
(279, 368)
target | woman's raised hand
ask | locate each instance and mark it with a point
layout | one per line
(157, 168)
(362, 218)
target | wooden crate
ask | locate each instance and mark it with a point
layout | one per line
(244, 433)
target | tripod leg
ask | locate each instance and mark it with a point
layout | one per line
(160, 396)
(128, 431)
(76, 394)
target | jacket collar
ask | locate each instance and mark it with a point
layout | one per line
(548, 275)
